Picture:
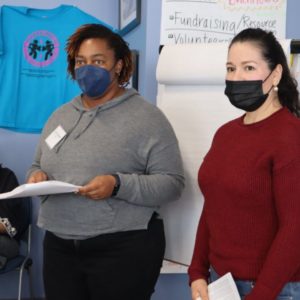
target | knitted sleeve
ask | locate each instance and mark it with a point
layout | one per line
(199, 267)
(283, 259)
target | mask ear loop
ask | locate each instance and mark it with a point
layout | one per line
(268, 76)
(116, 73)
(272, 87)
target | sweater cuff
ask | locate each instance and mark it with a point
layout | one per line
(197, 274)
(260, 292)
(11, 231)
(193, 278)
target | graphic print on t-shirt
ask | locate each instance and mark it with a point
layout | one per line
(33, 64)
(41, 48)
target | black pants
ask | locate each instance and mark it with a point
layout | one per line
(123, 265)
(9, 248)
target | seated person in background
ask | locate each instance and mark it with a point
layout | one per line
(12, 219)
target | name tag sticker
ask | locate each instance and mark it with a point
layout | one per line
(56, 136)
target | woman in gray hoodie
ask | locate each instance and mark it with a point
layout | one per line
(107, 241)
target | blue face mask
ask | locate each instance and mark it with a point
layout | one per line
(92, 80)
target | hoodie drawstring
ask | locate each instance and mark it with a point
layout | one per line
(88, 125)
(58, 146)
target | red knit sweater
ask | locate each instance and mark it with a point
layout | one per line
(250, 225)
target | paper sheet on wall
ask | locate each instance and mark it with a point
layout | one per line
(210, 21)
(195, 112)
(41, 188)
(223, 289)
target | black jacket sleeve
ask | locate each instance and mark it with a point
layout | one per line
(12, 208)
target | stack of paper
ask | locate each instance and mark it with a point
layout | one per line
(41, 188)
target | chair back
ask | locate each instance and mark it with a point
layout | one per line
(25, 233)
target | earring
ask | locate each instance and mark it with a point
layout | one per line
(275, 88)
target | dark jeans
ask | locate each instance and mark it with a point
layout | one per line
(123, 265)
(9, 248)
(291, 291)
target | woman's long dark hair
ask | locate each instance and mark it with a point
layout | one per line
(273, 53)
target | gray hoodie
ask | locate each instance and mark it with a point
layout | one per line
(126, 135)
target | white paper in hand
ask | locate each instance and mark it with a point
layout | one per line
(223, 289)
(41, 188)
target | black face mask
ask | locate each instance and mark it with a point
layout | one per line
(247, 95)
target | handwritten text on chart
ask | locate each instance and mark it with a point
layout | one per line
(208, 21)
(220, 25)
(180, 22)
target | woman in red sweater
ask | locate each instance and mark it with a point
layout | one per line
(250, 179)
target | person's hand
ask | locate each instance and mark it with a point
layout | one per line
(199, 290)
(2, 229)
(37, 176)
(100, 187)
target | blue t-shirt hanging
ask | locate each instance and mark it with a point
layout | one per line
(33, 63)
